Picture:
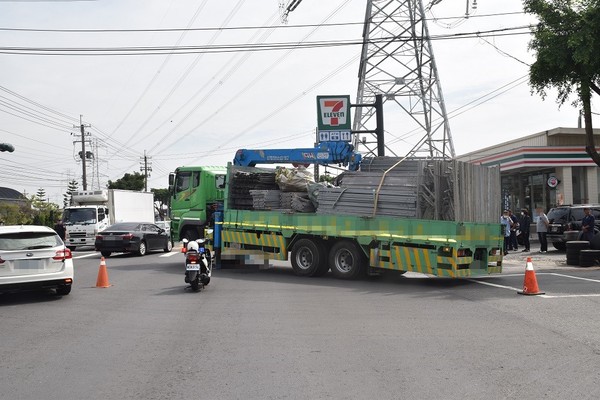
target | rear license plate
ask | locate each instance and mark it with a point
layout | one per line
(28, 264)
(192, 267)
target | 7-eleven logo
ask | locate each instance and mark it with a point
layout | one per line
(334, 111)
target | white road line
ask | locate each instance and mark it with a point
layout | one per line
(566, 296)
(545, 296)
(576, 277)
(170, 254)
(494, 285)
(87, 255)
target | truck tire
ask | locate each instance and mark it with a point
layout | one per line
(309, 258)
(106, 253)
(142, 250)
(346, 259)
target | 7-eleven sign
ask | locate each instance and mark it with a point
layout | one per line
(334, 113)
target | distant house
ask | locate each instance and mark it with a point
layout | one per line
(8, 195)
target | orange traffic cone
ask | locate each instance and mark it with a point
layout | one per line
(102, 280)
(530, 286)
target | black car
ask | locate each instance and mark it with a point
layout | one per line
(132, 237)
(567, 219)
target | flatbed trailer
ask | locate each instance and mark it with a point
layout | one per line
(351, 245)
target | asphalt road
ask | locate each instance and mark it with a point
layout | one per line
(267, 334)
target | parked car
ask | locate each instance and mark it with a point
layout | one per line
(132, 237)
(166, 225)
(565, 219)
(34, 257)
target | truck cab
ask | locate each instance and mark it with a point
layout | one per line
(195, 194)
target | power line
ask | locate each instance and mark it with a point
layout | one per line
(219, 49)
(234, 28)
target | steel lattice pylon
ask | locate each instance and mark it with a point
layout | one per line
(397, 61)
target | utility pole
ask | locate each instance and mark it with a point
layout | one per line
(146, 168)
(83, 154)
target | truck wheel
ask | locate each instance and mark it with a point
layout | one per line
(308, 258)
(347, 260)
(142, 249)
(106, 253)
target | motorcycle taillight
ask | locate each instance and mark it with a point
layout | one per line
(192, 257)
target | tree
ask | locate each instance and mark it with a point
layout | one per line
(72, 188)
(44, 212)
(15, 214)
(567, 43)
(161, 196)
(133, 181)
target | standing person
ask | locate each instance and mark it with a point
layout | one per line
(505, 222)
(513, 243)
(60, 229)
(587, 225)
(525, 224)
(542, 229)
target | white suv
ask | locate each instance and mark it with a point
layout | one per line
(34, 257)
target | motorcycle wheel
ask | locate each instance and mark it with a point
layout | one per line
(195, 284)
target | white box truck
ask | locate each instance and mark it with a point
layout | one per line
(93, 211)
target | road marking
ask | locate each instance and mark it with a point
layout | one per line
(575, 277)
(86, 255)
(566, 296)
(494, 285)
(170, 254)
(545, 296)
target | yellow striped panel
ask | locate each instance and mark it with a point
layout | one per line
(266, 240)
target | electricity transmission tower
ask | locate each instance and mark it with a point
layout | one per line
(397, 62)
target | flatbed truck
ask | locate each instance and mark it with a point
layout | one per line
(351, 245)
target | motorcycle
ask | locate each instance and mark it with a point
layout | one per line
(198, 263)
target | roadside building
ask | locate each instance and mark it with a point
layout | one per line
(545, 169)
(11, 196)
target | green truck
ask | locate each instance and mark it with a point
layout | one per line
(343, 241)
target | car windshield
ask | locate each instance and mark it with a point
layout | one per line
(577, 214)
(79, 216)
(558, 214)
(29, 240)
(124, 226)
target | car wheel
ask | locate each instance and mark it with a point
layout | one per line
(142, 250)
(559, 245)
(63, 290)
(72, 248)
(106, 253)
(169, 246)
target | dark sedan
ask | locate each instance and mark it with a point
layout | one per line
(132, 237)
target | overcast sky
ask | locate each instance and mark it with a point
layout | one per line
(186, 109)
